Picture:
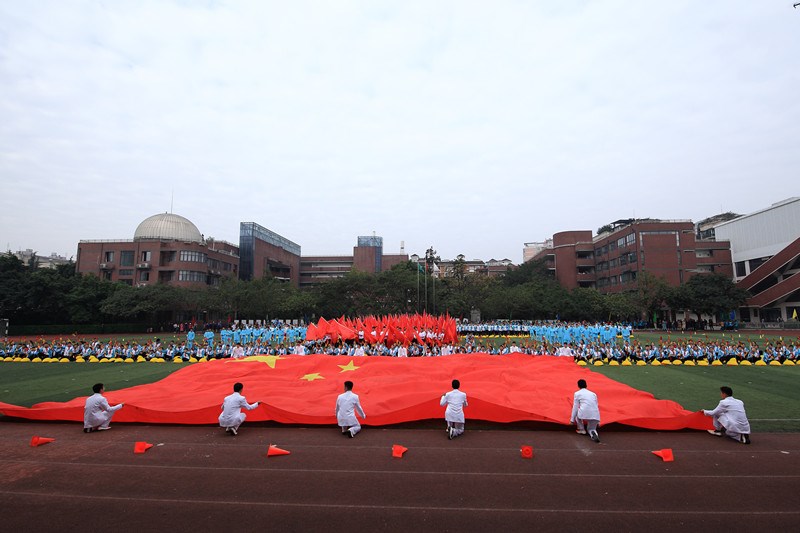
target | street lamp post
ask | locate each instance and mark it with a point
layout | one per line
(415, 259)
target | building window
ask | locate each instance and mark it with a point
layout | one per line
(144, 276)
(125, 272)
(630, 239)
(191, 275)
(126, 258)
(108, 257)
(146, 255)
(167, 257)
(754, 263)
(741, 271)
(193, 257)
(107, 275)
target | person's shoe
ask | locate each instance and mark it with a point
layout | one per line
(351, 434)
(594, 436)
(580, 431)
(451, 434)
(101, 428)
(714, 432)
(744, 438)
(87, 430)
(233, 430)
(227, 430)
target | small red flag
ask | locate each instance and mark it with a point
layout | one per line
(398, 451)
(665, 454)
(141, 446)
(274, 450)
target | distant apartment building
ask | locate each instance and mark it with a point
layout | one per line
(166, 248)
(612, 261)
(29, 256)
(765, 250)
(367, 256)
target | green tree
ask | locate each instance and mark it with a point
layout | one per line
(713, 294)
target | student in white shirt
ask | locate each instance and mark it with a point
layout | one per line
(454, 414)
(232, 415)
(585, 411)
(97, 413)
(730, 418)
(347, 405)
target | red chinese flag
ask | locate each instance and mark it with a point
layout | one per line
(303, 390)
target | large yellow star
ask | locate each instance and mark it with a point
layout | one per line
(349, 367)
(312, 377)
(269, 359)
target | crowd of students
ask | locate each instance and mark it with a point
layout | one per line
(584, 342)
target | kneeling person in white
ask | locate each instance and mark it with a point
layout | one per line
(456, 401)
(585, 411)
(232, 415)
(97, 413)
(347, 405)
(730, 418)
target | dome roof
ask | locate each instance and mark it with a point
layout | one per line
(168, 226)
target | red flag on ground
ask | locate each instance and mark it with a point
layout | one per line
(38, 441)
(665, 454)
(274, 450)
(141, 447)
(398, 451)
(303, 390)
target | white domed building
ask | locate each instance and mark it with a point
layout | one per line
(166, 248)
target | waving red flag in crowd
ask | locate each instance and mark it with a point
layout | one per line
(303, 390)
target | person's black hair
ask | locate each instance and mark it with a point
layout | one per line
(97, 387)
(237, 387)
(456, 384)
(726, 390)
(348, 385)
(581, 383)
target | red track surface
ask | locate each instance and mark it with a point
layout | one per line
(199, 478)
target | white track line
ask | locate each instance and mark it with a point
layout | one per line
(290, 470)
(339, 506)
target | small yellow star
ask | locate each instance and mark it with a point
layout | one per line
(349, 367)
(269, 359)
(312, 377)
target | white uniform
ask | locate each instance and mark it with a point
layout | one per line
(232, 415)
(454, 414)
(347, 405)
(585, 410)
(97, 412)
(730, 414)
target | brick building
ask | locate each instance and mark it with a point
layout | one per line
(367, 256)
(263, 252)
(612, 261)
(166, 248)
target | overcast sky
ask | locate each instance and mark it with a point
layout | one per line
(472, 127)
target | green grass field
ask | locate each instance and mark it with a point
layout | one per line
(771, 394)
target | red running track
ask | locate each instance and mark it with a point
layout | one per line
(200, 479)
